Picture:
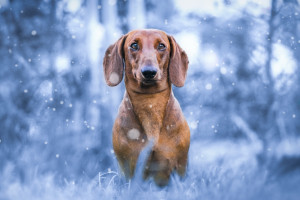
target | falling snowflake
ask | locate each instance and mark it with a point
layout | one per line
(208, 86)
(114, 78)
(133, 134)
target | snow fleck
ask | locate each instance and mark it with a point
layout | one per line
(208, 86)
(143, 140)
(33, 32)
(29, 59)
(112, 2)
(133, 134)
(114, 78)
(294, 116)
(16, 65)
(70, 105)
(94, 101)
(150, 106)
(223, 70)
(62, 63)
(194, 124)
(46, 142)
(25, 91)
(111, 151)
(99, 7)
(216, 131)
(54, 109)
(87, 148)
(109, 170)
(57, 155)
(233, 84)
(61, 102)
(51, 99)
(0, 140)
(166, 21)
(9, 51)
(92, 128)
(67, 120)
(213, 126)
(73, 36)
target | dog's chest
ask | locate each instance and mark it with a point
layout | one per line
(151, 119)
(150, 113)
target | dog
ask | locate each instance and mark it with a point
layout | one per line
(152, 61)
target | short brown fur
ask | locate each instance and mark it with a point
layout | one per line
(150, 109)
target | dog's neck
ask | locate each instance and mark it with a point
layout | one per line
(150, 110)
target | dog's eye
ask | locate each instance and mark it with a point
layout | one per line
(161, 47)
(134, 46)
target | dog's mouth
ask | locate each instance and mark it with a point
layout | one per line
(148, 82)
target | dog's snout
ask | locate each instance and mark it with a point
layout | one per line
(149, 72)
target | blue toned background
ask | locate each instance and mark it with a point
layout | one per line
(241, 98)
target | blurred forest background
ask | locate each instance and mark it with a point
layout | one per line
(241, 97)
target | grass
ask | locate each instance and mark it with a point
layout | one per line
(218, 170)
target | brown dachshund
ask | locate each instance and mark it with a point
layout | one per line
(149, 111)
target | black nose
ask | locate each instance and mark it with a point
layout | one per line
(149, 72)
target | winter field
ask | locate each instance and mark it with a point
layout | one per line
(241, 98)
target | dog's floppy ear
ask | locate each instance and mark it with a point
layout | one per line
(113, 62)
(178, 64)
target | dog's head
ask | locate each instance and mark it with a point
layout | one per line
(152, 59)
